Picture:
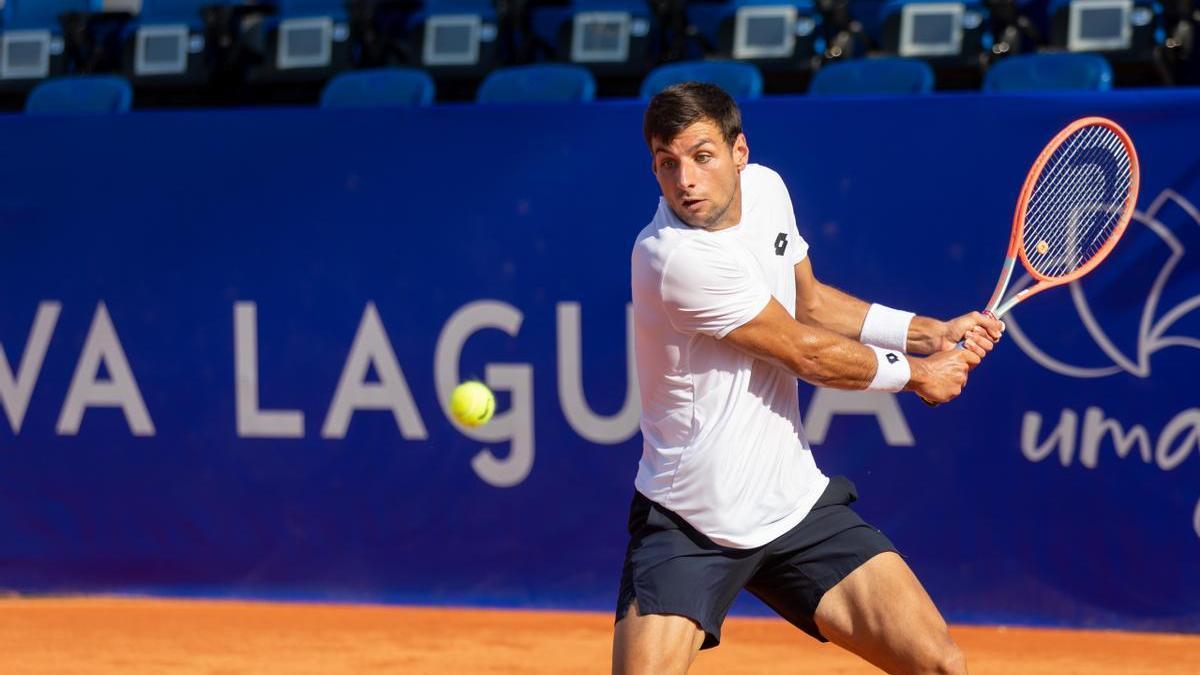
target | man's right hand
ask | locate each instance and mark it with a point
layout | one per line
(940, 378)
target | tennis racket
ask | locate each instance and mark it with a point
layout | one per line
(1076, 203)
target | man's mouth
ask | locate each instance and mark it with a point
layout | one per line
(690, 204)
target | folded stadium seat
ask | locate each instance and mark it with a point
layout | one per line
(303, 41)
(80, 95)
(379, 88)
(1129, 33)
(954, 37)
(783, 38)
(165, 45)
(1049, 72)
(538, 83)
(31, 41)
(741, 80)
(887, 75)
(612, 38)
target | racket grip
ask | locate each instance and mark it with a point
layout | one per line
(962, 344)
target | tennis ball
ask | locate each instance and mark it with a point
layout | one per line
(1043, 246)
(472, 403)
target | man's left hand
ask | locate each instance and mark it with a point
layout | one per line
(978, 331)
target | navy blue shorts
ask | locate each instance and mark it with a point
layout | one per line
(670, 568)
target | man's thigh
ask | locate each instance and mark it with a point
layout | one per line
(803, 565)
(654, 643)
(881, 612)
(676, 588)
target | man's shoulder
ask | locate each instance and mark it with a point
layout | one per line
(763, 175)
(659, 241)
(658, 236)
(659, 246)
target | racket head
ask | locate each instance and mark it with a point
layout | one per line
(1077, 201)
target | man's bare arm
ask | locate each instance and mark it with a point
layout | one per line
(822, 305)
(825, 358)
(825, 306)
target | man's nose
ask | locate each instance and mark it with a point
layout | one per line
(686, 177)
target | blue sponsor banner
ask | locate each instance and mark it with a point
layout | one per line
(228, 337)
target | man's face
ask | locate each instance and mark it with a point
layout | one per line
(698, 173)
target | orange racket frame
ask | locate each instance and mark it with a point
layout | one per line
(1017, 250)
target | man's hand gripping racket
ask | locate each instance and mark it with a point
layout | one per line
(1076, 203)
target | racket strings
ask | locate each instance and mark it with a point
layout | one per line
(1078, 200)
(1061, 198)
(1090, 203)
(1086, 198)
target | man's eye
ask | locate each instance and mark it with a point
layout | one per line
(703, 159)
(668, 163)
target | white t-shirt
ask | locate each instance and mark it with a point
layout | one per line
(723, 446)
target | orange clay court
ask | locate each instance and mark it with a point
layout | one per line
(136, 636)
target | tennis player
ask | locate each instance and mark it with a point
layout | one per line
(727, 315)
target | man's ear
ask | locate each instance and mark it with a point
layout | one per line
(741, 152)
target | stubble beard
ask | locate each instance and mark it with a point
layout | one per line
(716, 217)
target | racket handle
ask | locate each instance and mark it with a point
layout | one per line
(962, 344)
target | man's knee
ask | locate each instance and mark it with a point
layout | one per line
(649, 662)
(946, 658)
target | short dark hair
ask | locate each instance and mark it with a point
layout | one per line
(679, 106)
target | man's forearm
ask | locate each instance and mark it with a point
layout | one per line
(844, 314)
(835, 311)
(924, 335)
(820, 356)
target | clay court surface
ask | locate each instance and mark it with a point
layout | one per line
(102, 635)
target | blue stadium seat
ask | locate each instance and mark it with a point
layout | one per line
(379, 88)
(1123, 30)
(304, 41)
(1049, 72)
(775, 35)
(31, 41)
(893, 75)
(947, 34)
(539, 83)
(613, 38)
(165, 44)
(741, 80)
(80, 95)
(455, 38)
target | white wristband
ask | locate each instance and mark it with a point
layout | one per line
(892, 371)
(886, 327)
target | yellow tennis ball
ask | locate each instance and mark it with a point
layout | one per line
(472, 403)
(1043, 246)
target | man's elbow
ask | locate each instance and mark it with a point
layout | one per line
(808, 361)
(810, 306)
